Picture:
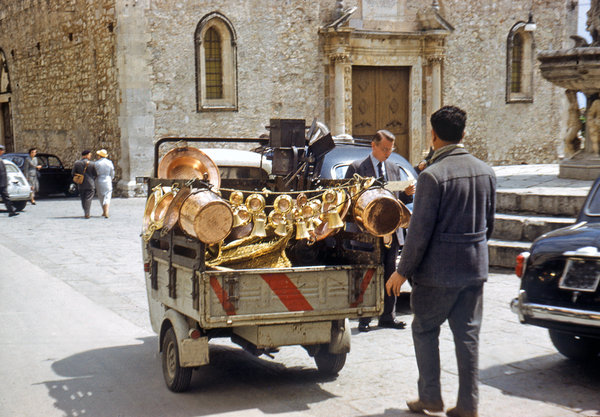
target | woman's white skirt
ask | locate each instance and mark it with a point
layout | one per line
(104, 189)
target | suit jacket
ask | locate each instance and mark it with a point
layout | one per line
(453, 216)
(365, 168)
(88, 176)
(3, 175)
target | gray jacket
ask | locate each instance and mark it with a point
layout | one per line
(89, 173)
(453, 216)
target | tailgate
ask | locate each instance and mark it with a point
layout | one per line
(290, 295)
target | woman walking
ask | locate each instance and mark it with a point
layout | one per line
(31, 168)
(106, 172)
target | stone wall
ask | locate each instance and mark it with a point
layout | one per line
(475, 78)
(280, 71)
(120, 74)
(61, 63)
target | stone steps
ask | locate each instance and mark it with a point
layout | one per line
(522, 216)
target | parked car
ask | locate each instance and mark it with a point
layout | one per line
(560, 278)
(336, 162)
(18, 188)
(54, 177)
(239, 164)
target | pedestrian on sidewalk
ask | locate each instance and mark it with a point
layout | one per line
(106, 173)
(4, 187)
(87, 188)
(445, 258)
(31, 168)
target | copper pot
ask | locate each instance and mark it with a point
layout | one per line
(378, 211)
(205, 216)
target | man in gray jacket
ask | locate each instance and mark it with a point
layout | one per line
(445, 258)
(87, 188)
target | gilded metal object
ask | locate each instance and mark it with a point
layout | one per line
(189, 163)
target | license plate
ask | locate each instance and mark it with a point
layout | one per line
(580, 275)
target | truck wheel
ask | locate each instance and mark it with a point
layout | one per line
(329, 363)
(176, 377)
(574, 347)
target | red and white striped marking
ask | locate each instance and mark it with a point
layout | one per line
(288, 293)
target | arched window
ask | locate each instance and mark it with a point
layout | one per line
(216, 64)
(519, 64)
(213, 64)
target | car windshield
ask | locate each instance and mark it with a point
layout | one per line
(340, 172)
(11, 168)
(17, 159)
(593, 206)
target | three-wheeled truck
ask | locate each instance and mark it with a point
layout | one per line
(309, 303)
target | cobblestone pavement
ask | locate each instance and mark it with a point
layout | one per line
(99, 260)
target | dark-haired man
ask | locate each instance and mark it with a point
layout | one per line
(445, 257)
(376, 165)
(87, 188)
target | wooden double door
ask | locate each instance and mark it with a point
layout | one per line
(380, 101)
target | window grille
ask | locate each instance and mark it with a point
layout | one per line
(214, 64)
(517, 64)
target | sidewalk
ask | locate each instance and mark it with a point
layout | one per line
(538, 179)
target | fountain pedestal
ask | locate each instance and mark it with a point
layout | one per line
(578, 69)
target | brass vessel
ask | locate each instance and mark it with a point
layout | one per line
(377, 211)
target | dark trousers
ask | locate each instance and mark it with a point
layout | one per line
(389, 266)
(86, 196)
(6, 199)
(463, 308)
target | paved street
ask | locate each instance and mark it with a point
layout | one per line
(75, 340)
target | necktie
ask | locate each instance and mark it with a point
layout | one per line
(380, 169)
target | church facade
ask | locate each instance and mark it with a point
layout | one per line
(121, 74)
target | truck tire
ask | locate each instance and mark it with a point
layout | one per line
(177, 378)
(574, 347)
(329, 363)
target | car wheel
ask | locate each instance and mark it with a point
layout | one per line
(177, 378)
(574, 347)
(72, 190)
(329, 363)
(19, 205)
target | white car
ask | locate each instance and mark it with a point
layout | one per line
(18, 189)
(239, 164)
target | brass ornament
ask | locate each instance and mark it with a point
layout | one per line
(260, 221)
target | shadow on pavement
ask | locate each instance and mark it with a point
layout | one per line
(128, 380)
(551, 378)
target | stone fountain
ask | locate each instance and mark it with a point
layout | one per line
(578, 69)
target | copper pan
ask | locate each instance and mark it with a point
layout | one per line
(189, 163)
(160, 209)
(172, 213)
(205, 216)
(377, 211)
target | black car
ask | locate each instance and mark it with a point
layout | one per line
(560, 278)
(54, 178)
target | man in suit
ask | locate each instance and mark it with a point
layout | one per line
(445, 257)
(376, 165)
(87, 189)
(4, 188)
